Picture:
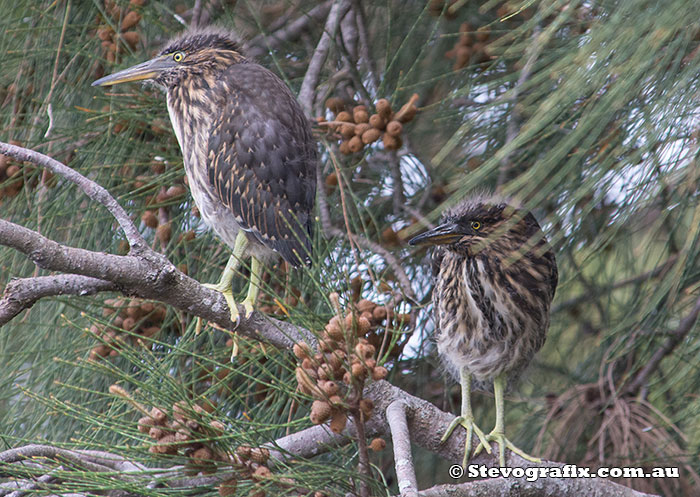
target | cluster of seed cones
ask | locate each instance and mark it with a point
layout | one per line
(358, 128)
(140, 318)
(335, 375)
(125, 18)
(472, 46)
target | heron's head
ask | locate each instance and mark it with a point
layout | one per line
(482, 222)
(198, 52)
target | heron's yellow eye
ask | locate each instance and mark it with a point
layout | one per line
(476, 225)
(178, 56)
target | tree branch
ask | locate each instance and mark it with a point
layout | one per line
(401, 440)
(21, 294)
(149, 276)
(307, 93)
(261, 44)
(89, 187)
(675, 338)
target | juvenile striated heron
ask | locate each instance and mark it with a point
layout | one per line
(248, 150)
(495, 277)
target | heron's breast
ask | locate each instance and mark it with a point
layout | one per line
(191, 128)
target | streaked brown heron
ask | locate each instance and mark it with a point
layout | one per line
(248, 151)
(495, 277)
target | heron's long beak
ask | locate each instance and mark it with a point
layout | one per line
(146, 70)
(441, 235)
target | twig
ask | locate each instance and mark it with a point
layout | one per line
(313, 73)
(91, 189)
(401, 440)
(332, 231)
(21, 294)
(262, 44)
(675, 338)
(365, 53)
(514, 122)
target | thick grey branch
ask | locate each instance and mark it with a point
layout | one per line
(148, 276)
(542, 487)
(21, 294)
(89, 187)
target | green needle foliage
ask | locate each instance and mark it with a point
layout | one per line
(587, 112)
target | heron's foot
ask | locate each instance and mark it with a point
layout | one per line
(248, 307)
(468, 423)
(503, 444)
(228, 295)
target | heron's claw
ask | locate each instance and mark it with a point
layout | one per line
(468, 423)
(503, 443)
(228, 295)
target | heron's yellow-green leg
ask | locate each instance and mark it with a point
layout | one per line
(224, 284)
(253, 287)
(498, 433)
(466, 419)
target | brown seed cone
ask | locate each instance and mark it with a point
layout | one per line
(159, 415)
(105, 33)
(360, 116)
(261, 473)
(366, 406)
(338, 421)
(377, 444)
(363, 326)
(150, 219)
(131, 38)
(355, 144)
(332, 180)
(335, 105)
(483, 33)
(365, 305)
(166, 445)
(164, 232)
(227, 488)
(371, 136)
(343, 116)
(156, 432)
(301, 350)
(259, 455)
(130, 20)
(358, 370)
(145, 423)
(360, 129)
(391, 142)
(334, 331)
(379, 373)
(383, 108)
(408, 111)
(394, 128)
(347, 131)
(203, 454)
(320, 412)
(379, 313)
(330, 388)
(344, 148)
(377, 122)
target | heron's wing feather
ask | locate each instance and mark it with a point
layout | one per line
(262, 161)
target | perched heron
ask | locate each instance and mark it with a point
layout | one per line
(495, 277)
(248, 151)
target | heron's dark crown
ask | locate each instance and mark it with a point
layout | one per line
(196, 39)
(205, 52)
